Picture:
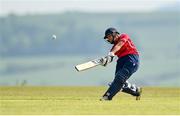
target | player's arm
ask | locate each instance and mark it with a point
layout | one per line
(111, 54)
(117, 47)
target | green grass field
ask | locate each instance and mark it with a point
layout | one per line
(85, 100)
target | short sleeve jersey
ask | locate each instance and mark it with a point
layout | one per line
(127, 48)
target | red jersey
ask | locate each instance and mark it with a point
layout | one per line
(127, 48)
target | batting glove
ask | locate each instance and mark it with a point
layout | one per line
(107, 59)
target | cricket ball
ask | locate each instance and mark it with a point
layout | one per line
(54, 37)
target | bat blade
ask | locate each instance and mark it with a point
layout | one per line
(88, 65)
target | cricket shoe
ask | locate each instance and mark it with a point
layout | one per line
(139, 92)
(105, 98)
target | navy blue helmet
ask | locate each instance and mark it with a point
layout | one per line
(109, 31)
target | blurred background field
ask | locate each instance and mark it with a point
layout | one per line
(29, 56)
(59, 70)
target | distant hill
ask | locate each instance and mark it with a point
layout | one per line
(81, 33)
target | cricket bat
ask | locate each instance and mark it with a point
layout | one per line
(88, 65)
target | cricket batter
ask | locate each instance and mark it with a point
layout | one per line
(127, 64)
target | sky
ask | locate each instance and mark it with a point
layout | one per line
(21, 7)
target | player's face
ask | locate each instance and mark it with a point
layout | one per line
(109, 38)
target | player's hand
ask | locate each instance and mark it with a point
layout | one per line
(103, 61)
(107, 59)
